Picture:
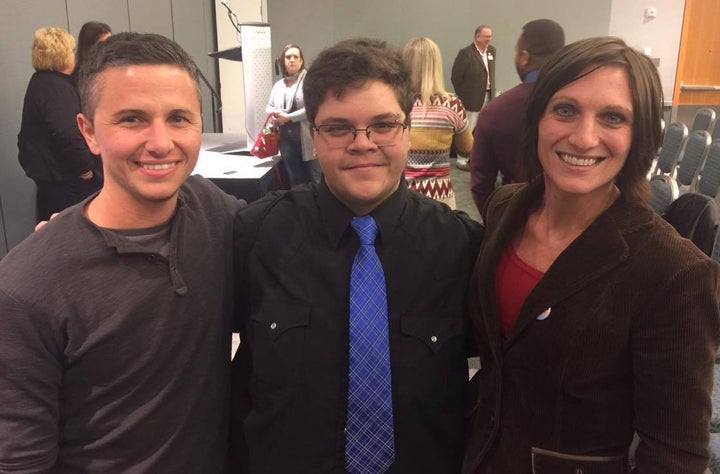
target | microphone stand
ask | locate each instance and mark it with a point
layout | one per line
(232, 16)
(216, 101)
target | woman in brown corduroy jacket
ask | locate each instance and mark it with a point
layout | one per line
(595, 319)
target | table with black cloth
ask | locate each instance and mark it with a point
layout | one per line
(226, 161)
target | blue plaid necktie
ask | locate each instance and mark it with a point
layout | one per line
(370, 445)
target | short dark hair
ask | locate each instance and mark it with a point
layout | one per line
(281, 58)
(129, 49)
(540, 38)
(350, 64)
(89, 34)
(567, 66)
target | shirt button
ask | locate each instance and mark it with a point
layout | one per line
(433, 338)
(273, 325)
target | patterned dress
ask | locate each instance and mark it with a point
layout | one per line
(435, 126)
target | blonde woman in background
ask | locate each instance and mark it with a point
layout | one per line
(438, 120)
(51, 150)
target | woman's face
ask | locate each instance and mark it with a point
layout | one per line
(293, 61)
(585, 133)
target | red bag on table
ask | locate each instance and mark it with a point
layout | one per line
(266, 142)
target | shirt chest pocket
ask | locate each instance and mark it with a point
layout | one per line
(429, 361)
(434, 333)
(276, 338)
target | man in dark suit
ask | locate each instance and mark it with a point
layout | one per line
(473, 77)
(498, 132)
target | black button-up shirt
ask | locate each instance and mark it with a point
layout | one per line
(294, 256)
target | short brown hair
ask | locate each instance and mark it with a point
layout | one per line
(52, 49)
(130, 49)
(566, 67)
(350, 64)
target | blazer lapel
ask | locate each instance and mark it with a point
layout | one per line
(512, 215)
(598, 250)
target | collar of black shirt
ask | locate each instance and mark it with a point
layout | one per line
(336, 217)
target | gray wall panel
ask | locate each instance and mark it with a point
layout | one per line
(451, 28)
(151, 17)
(114, 13)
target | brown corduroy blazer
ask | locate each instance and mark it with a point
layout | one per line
(628, 346)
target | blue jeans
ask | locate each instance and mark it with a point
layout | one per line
(292, 158)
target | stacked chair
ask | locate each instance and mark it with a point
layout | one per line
(663, 187)
(692, 160)
(685, 182)
(703, 119)
(716, 130)
(663, 191)
(673, 142)
(709, 182)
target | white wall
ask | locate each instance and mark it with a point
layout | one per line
(658, 37)
(231, 72)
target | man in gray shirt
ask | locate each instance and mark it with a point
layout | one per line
(115, 317)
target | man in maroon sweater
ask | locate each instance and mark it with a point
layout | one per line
(498, 133)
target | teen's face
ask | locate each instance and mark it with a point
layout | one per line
(362, 174)
(293, 61)
(585, 133)
(147, 129)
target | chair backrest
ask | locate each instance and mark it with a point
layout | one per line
(709, 182)
(703, 119)
(663, 191)
(716, 253)
(692, 157)
(675, 135)
(695, 217)
(716, 129)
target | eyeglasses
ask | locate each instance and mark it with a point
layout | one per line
(340, 136)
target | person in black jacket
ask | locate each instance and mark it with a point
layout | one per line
(51, 149)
